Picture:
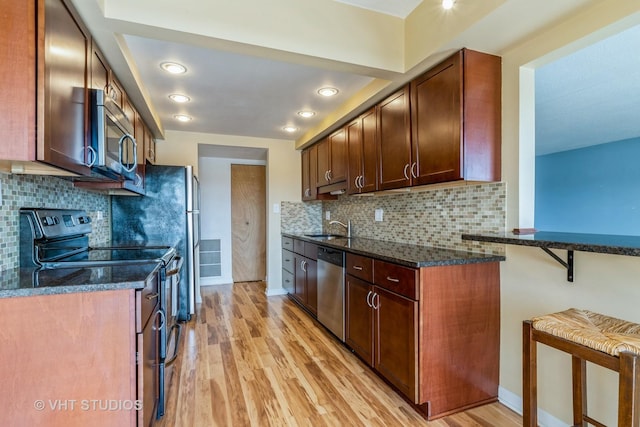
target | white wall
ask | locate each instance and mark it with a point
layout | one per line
(533, 283)
(283, 181)
(215, 210)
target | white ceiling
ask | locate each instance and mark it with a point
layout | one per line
(591, 96)
(400, 8)
(235, 91)
(235, 94)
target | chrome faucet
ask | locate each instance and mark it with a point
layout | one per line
(347, 226)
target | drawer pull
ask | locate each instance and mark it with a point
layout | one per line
(152, 296)
(391, 279)
(357, 267)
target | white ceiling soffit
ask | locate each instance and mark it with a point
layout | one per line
(399, 8)
(591, 96)
(232, 152)
(235, 94)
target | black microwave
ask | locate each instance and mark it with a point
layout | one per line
(113, 147)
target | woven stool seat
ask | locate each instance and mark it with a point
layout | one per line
(594, 330)
(588, 337)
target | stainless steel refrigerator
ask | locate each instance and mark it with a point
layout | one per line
(169, 214)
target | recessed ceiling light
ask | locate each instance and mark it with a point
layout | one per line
(290, 129)
(173, 67)
(183, 117)
(306, 113)
(179, 98)
(328, 91)
(447, 4)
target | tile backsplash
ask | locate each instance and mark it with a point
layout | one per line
(434, 217)
(300, 217)
(19, 191)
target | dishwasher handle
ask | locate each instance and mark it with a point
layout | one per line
(332, 256)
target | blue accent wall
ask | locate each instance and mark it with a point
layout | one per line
(590, 190)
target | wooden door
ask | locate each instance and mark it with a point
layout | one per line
(436, 114)
(248, 222)
(359, 318)
(396, 337)
(394, 141)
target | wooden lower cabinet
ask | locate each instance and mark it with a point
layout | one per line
(381, 329)
(395, 337)
(441, 349)
(306, 283)
(80, 359)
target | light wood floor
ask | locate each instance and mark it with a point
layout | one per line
(251, 360)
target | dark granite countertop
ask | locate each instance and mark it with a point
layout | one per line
(401, 253)
(601, 243)
(21, 282)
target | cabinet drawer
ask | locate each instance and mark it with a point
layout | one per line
(360, 266)
(311, 250)
(298, 246)
(146, 301)
(396, 278)
(287, 243)
(288, 281)
(287, 260)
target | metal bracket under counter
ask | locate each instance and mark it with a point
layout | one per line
(547, 240)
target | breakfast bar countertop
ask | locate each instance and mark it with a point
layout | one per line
(400, 253)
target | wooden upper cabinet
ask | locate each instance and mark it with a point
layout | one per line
(64, 114)
(332, 159)
(99, 70)
(116, 91)
(394, 141)
(354, 156)
(338, 156)
(309, 160)
(455, 119)
(322, 170)
(362, 153)
(149, 147)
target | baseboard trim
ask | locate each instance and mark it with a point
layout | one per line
(273, 292)
(514, 402)
(213, 281)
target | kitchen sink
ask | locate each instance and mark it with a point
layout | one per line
(325, 236)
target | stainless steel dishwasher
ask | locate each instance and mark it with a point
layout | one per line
(331, 290)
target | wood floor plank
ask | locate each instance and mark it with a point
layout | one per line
(249, 360)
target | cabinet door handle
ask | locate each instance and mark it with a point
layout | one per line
(361, 181)
(329, 175)
(414, 165)
(373, 305)
(152, 296)
(355, 182)
(368, 303)
(357, 267)
(303, 265)
(392, 279)
(406, 168)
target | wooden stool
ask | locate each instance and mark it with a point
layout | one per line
(587, 336)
